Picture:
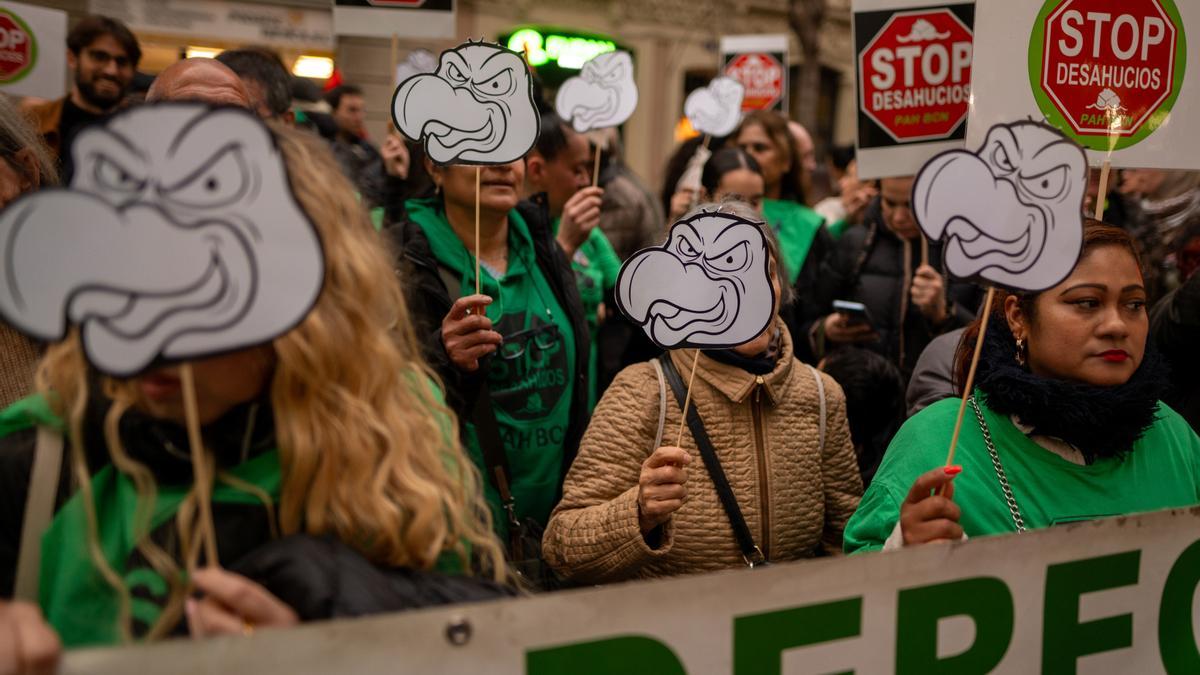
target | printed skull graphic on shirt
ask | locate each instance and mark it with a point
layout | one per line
(477, 108)
(708, 286)
(179, 238)
(1011, 213)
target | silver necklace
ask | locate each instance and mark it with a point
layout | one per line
(1013, 509)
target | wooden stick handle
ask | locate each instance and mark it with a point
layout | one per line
(707, 140)
(199, 464)
(969, 385)
(1102, 192)
(478, 282)
(596, 169)
(687, 401)
(924, 250)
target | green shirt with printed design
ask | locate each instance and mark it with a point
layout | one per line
(530, 375)
(1162, 471)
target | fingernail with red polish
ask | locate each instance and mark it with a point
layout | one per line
(953, 470)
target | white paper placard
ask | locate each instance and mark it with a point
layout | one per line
(33, 48)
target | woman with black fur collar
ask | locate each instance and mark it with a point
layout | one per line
(1065, 423)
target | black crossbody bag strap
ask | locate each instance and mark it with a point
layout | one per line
(750, 552)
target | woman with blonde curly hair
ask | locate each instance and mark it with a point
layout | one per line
(334, 432)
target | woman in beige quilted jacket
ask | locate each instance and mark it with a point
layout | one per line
(635, 509)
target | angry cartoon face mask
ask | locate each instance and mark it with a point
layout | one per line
(178, 238)
(478, 108)
(708, 286)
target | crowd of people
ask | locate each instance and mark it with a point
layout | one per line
(441, 431)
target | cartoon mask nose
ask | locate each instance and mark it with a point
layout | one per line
(453, 109)
(938, 203)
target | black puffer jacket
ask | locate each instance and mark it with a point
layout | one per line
(429, 302)
(867, 265)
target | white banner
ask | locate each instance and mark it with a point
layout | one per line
(1113, 596)
(1121, 77)
(244, 22)
(33, 51)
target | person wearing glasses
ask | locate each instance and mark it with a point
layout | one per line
(513, 358)
(102, 55)
(881, 266)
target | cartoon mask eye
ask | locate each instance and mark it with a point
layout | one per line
(685, 249)
(732, 260)
(1001, 160)
(616, 75)
(222, 180)
(455, 75)
(1048, 185)
(110, 175)
(500, 85)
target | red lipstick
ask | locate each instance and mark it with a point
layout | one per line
(1115, 356)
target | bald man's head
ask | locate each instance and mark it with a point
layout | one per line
(199, 81)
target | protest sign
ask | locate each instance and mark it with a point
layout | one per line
(913, 65)
(1112, 596)
(760, 63)
(603, 95)
(716, 110)
(400, 18)
(33, 58)
(1111, 74)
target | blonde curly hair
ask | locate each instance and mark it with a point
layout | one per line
(368, 451)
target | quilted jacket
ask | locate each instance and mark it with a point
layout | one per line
(795, 495)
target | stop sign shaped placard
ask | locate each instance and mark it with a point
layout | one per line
(18, 49)
(762, 76)
(1107, 72)
(914, 76)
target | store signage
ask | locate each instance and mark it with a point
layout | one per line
(208, 20)
(565, 50)
(400, 18)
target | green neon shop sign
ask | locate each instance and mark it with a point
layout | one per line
(562, 49)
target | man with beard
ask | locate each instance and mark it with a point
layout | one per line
(102, 55)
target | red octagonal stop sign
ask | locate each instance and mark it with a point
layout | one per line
(16, 47)
(762, 76)
(915, 75)
(1109, 65)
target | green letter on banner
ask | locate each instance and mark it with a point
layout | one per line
(986, 600)
(614, 656)
(760, 639)
(1064, 638)
(1176, 639)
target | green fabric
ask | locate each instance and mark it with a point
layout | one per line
(77, 601)
(1162, 471)
(596, 265)
(377, 215)
(531, 394)
(797, 227)
(836, 229)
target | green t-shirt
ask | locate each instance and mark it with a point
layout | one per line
(596, 266)
(797, 227)
(1162, 471)
(530, 376)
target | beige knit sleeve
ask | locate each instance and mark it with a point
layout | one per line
(593, 534)
(839, 470)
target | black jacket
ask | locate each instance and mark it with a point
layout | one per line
(1175, 329)
(867, 265)
(429, 302)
